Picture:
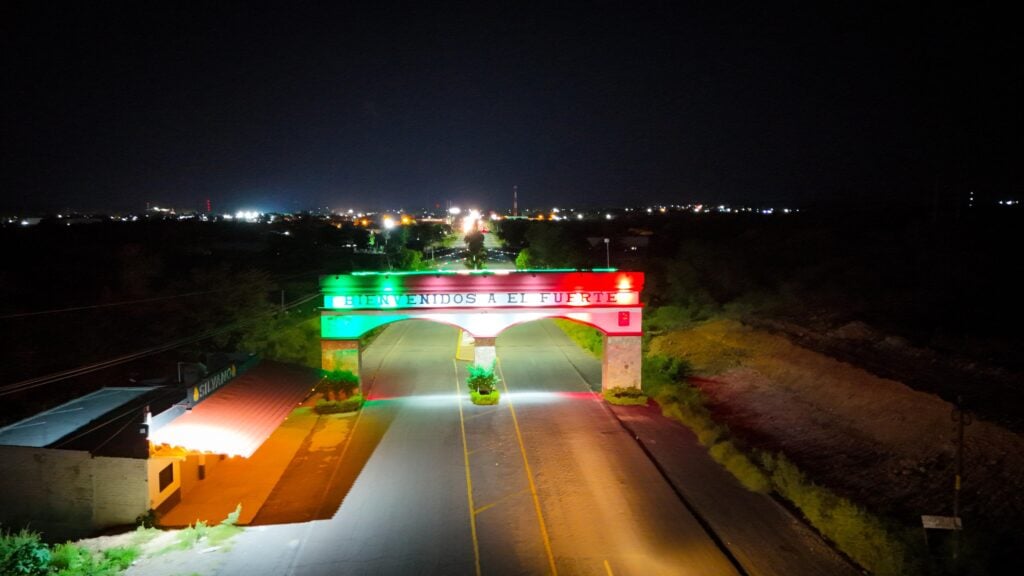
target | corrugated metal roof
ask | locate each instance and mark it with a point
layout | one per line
(238, 417)
(47, 427)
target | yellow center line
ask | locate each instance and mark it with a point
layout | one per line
(608, 568)
(469, 480)
(529, 473)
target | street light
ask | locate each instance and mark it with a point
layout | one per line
(607, 254)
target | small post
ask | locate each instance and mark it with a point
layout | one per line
(282, 299)
(962, 418)
(607, 254)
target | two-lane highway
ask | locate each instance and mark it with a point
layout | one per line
(547, 481)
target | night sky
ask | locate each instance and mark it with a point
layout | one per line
(111, 105)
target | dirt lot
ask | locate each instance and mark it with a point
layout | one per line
(869, 438)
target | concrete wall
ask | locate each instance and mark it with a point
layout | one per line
(68, 493)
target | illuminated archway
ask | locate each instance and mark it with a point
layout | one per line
(484, 303)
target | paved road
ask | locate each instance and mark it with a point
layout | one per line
(556, 484)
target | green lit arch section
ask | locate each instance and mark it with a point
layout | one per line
(352, 326)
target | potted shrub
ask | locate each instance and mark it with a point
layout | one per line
(483, 384)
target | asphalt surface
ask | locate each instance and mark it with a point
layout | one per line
(557, 484)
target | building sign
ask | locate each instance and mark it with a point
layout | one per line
(481, 299)
(208, 385)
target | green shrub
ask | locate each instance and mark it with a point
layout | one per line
(338, 382)
(482, 379)
(339, 406)
(147, 520)
(232, 517)
(663, 373)
(625, 396)
(488, 399)
(68, 558)
(22, 553)
(737, 463)
(119, 557)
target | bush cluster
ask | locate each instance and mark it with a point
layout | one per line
(339, 406)
(625, 396)
(24, 554)
(336, 384)
(482, 379)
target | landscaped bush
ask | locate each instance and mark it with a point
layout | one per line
(339, 406)
(22, 553)
(338, 383)
(483, 384)
(625, 396)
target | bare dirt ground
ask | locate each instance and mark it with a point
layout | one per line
(872, 439)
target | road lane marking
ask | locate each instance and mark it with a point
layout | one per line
(489, 411)
(469, 479)
(499, 500)
(529, 473)
(608, 568)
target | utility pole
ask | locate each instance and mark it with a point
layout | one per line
(515, 200)
(607, 254)
(962, 418)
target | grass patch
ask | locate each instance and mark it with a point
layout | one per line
(625, 396)
(484, 399)
(586, 337)
(212, 535)
(709, 348)
(73, 560)
(339, 406)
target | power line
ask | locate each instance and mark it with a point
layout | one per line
(97, 366)
(141, 300)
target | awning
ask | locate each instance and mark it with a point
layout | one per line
(241, 415)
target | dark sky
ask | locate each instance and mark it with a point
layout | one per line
(110, 105)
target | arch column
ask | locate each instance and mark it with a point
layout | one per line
(341, 355)
(621, 365)
(484, 351)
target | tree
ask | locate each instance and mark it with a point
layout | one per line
(477, 255)
(523, 260)
(552, 245)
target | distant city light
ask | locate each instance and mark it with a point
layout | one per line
(455, 210)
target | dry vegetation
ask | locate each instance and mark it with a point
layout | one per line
(873, 440)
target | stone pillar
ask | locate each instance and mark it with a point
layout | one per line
(620, 367)
(340, 355)
(484, 352)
